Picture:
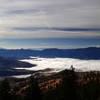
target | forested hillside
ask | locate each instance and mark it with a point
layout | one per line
(66, 85)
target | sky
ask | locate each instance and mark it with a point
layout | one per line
(31, 19)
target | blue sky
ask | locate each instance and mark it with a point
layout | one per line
(40, 43)
(26, 19)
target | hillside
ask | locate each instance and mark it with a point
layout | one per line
(65, 85)
(11, 63)
(81, 53)
(7, 66)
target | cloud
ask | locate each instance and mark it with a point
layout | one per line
(24, 29)
(48, 16)
(58, 64)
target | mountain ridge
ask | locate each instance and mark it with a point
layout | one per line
(79, 53)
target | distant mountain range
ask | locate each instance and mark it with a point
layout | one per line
(9, 58)
(82, 53)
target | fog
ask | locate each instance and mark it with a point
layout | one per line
(59, 64)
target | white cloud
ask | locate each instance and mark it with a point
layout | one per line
(59, 64)
(47, 13)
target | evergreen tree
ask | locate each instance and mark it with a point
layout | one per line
(68, 89)
(5, 90)
(33, 91)
(91, 91)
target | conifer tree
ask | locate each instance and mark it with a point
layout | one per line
(68, 85)
(5, 90)
(33, 91)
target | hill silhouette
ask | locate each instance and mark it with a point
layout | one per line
(80, 53)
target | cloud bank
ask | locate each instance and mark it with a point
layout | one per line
(59, 64)
(38, 18)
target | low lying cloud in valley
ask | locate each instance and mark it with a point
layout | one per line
(59, 64)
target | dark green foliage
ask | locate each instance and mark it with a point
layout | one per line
(67, 88)
(33, 91)
(5, 90)
(90, 91)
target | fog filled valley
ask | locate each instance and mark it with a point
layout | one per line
(59, 64)
(16, 62)
(57, 74)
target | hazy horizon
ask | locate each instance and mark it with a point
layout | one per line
(42, 43)
(24, 20)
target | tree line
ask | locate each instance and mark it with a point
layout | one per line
(67, 90)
